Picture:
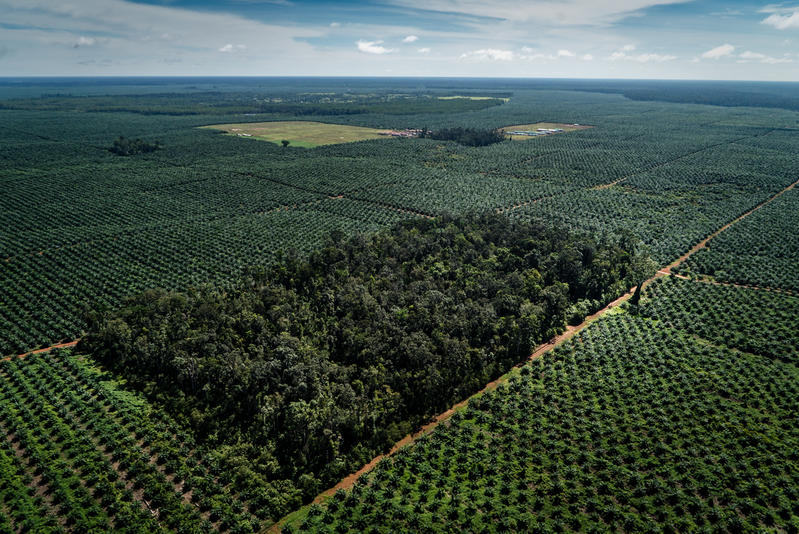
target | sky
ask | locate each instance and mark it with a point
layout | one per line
(669, 39)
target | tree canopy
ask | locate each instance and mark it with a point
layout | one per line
(466, 136)
(324, 360)
(128, 147)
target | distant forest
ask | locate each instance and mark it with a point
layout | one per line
(228, 103)
(466, 136)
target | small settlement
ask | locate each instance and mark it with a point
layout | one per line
(537, 132)
(408, 132)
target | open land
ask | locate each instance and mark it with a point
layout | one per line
(454, 97)
(305, 134)
(542, 128)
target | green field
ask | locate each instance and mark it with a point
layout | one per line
(108, 460)
(258, 322)
(762, 251)
(305, 134)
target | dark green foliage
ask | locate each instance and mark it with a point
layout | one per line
(761, 250)
(85, 227)
(99, 453)
(329, 359)
(636, 298)
(756, 321)
(632, 426)
(466, 136)
(131, 147)
(285, 102)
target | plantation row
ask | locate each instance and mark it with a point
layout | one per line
(81, 455)
(87, 227)
(762, 250)
(45, 295)
(631, 426)
(750, 320)
(668, 223)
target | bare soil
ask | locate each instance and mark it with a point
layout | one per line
(66, 345)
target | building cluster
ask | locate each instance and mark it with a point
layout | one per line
(408, 132)
(539, 131)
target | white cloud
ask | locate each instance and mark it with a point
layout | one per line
(373, 47)
(719, 52)
(529, 54)
(777, 8)
(232, 48)
(410, 39)
(752, 55)
(628, 48)
(488, 54)
(424, 50)
(622, 55)
(135, 35)
(756, 57)
(783, 20)
(84, 41)
(554, 12)
(335, 24)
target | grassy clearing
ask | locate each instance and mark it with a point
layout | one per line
(305, 134)
(544, 125)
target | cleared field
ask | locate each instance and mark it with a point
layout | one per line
(541, 126)
(304, 134)
(455, 97)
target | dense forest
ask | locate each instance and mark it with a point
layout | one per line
(325, 360)
(466, 136)
(130, 147)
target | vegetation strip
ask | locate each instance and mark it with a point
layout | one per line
(705, 280)
(664, 163)
(702, 244)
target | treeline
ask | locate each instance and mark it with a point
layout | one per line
(398, 106)
(315, 364)
(129, 147)
(466, 136)
(715, 96)
(240, 103)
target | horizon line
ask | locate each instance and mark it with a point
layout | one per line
(377, 77)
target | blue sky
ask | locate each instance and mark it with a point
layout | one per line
(735, 40)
